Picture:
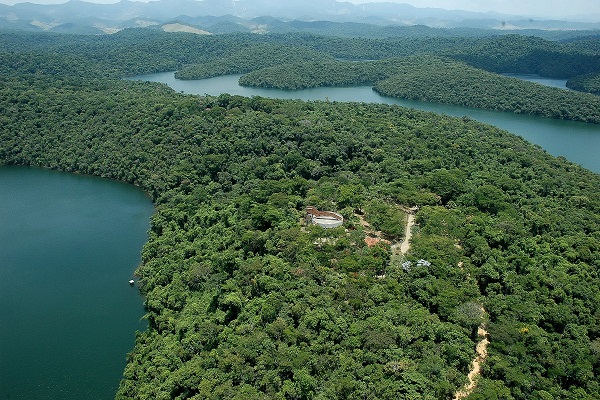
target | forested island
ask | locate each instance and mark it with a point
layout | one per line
(468, 76)
(586, 83)
(434, 79)
(244, 300)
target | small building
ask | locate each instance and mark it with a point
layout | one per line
(325, 219)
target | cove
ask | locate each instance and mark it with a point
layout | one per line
(558, 83)
(576, 141)
(68, 246)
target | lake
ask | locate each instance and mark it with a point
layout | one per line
(577, 141)
(558, 83)
(68, 316)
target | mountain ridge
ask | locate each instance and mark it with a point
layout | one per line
(85, 17)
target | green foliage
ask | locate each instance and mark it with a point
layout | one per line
(586, 83)
(388, 219)
(307, 74)
(434, 79)
(244, 301)
(526, 54)
(444, 81)
(248, 59)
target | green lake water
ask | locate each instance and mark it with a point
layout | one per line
(576, 141)
(68, 317)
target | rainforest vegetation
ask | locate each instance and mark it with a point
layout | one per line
(465, 82)
(434, 79)
(245, 301)
(444, 81)
(254, 57)
(585, 83)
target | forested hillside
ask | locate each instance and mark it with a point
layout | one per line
(503, 54)
(137, 51)
(516, 53)
(244, 301)
(249, 59)
(434, 79)
(444, 81)
(585, 83)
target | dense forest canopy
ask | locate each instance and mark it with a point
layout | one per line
(586, 83)
(508, 53)
(137, 51)
(434, 79)
(245, 301)
(443, 81)
(293, 61)
(251, 58)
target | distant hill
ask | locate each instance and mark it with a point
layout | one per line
(78, 16)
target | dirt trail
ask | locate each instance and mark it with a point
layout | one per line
(398, 248)
(410, 222)
(378, 235)
(477, 362)
(482, 345)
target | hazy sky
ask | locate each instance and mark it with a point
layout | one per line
(554, 8)
(547, 8)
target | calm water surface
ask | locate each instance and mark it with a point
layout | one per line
(559, 83)
(578, 142)
(68, 246)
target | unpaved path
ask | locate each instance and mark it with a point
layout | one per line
(398, 248)
(482, 345)
(410, 222)
(476, 369)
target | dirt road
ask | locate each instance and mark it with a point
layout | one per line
(476, 368)
(410, 222)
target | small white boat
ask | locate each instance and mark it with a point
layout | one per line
(131, 282)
